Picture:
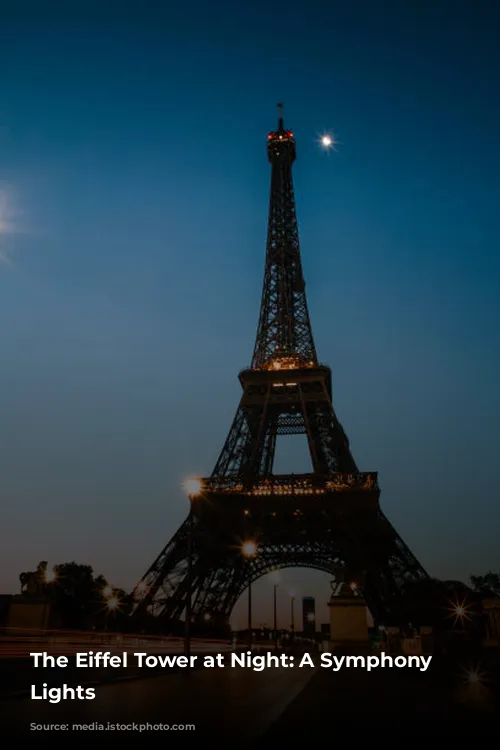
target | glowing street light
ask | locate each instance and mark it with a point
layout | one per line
(50, 576)
(113, 604)
(249, 549)
(107, 591)
(460, 611)
(473, 677)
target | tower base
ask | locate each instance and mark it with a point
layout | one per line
(348, 622)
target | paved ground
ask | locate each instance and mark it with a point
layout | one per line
(277, 707)
(231, 706)
(16, 666)
(19, 647)
(385, 707)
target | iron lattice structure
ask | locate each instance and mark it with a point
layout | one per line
(329, 519)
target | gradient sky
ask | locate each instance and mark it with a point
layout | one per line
(133, 205)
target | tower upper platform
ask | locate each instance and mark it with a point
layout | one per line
(280, 142)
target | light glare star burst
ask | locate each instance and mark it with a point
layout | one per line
(328, 142)
(459, 610)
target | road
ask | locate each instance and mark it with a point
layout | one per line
(395, 707)
(230, 706)
(16, 666)
(69, 643)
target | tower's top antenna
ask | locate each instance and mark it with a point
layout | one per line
(280, 120)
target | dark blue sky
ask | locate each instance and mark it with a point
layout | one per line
(134, 191)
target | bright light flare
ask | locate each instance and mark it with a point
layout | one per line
(113, 604)
(192, 486)
(249, 549)
(460, 611)
(473, 677)
(50, 576)
(107, 591)
(328, 142)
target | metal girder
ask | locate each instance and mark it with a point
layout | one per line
(363, 542)
(284, 328)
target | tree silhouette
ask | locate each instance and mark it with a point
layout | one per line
(487, 585)
(82, 600)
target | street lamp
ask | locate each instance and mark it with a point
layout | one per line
(50, 576)
(113, 603)
(193, 488)
(275, 587)
(249, 550)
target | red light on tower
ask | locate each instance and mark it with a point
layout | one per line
(290, 134)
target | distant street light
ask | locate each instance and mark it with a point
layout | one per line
(275, 587)
(50, 576)
(460, 611)
(113, 603)
(249, 550)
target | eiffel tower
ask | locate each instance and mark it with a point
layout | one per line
(245, 521)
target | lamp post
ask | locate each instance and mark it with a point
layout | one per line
(249, 550)
(311, 619)
(275, 617)
(193, 488)
(49, 576)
